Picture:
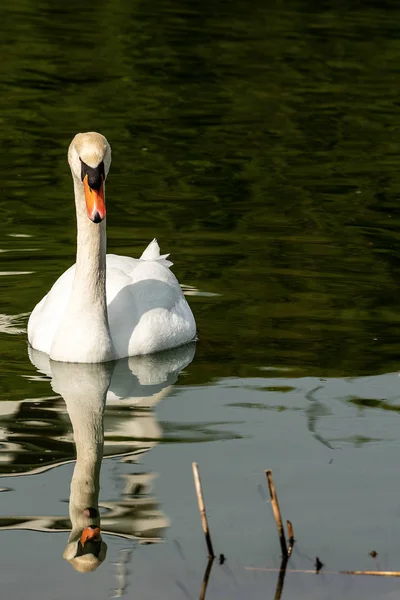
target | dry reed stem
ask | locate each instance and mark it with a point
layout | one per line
(277, 513)
(202, 509)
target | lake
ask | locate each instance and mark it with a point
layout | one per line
(259, 143)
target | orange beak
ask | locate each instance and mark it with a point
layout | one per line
(95, 203)
(90, 534)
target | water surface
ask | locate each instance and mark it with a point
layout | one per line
(259, 144)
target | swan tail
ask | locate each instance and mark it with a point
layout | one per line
(152, 252)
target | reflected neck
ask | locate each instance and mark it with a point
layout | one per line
(89, 440)
(84, 389)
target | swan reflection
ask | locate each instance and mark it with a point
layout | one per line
(110, 407)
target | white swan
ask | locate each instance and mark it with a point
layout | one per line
(107, 307)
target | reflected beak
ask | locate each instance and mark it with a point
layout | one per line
(95, 203)
(91, 534)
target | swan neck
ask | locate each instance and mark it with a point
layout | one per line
(91, 251)
(84, 333)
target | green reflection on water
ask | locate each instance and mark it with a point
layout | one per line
(260, 146)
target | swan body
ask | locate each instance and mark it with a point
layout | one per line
(107, 307)
(146, 309)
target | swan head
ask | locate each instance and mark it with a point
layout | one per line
(85, 549)
(89, 156)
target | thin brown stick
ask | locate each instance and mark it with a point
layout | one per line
(206, 578)
(312, 572)
(277, 513)
(373, 573)
(202, 509)
(276, 569)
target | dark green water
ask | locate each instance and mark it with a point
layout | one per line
(259, 142)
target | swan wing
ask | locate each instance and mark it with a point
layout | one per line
(147, 310)
(47, 315)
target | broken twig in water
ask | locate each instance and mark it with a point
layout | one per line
(277, 513)
(202, 509)
(290, 532)
(291, 537)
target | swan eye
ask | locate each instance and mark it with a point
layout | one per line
(96, 175)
